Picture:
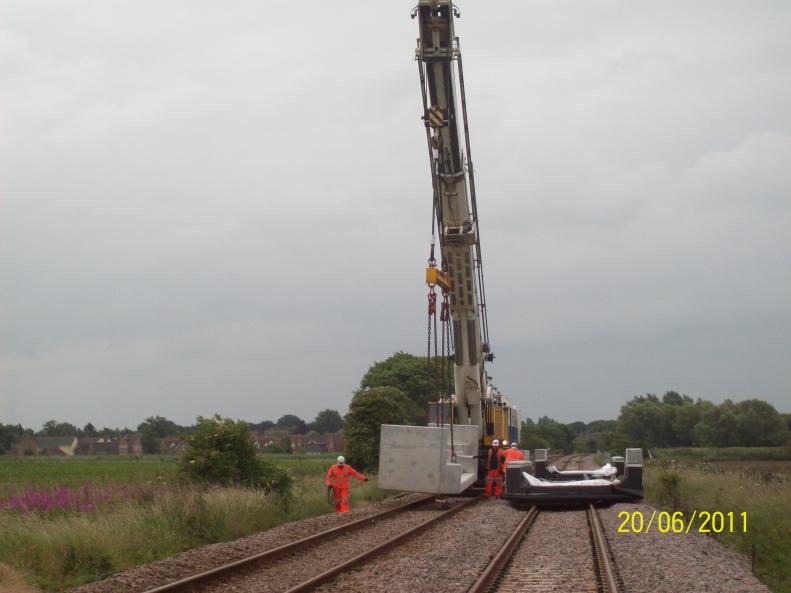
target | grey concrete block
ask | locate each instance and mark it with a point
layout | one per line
(418, 458)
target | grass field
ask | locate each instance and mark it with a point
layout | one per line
(18, 472)
(680, 480)
(74, 471)
(725, 453)
(65, 522)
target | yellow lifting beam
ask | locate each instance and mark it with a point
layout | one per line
(436, 276)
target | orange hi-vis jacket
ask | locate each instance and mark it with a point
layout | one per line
(338, 476)
(495, 464)
(513, 454)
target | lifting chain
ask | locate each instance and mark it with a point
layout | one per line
(444, 317)
(432, 317)
(434, 321)
(446, 352)
(443, 358)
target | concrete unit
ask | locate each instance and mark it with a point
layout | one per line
(418, 458)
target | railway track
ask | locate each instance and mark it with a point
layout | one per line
(577, 462)
(518, 566)
(323, 543)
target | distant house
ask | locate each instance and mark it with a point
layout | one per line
(310, 442)
(85, 445)
(336, 441)
(263, 439)
(129, 444)
(108, 447)
(313, 442)
(97, 446)
(52, 446)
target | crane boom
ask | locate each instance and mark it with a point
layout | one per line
(439, 60)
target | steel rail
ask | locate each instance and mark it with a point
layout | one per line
(606, 572)
(578, 459)
(380, 549)
(225, 569)
(601, 553)
(504, 554)
(563, 460)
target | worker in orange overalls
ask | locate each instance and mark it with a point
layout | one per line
(495, 462)
(513, 454)
(338, 483)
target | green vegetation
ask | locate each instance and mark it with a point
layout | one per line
(220, 452)
(674, 420)
(11, 582)
(677, 420)
(546, 434)
(678, 480)
(53, 428)
(725, 453)
(10, 434)
(153, 428)
(18, 472)
(292, 423)
(328, 421)
(369, 409)
(65, 549)
(419, 380)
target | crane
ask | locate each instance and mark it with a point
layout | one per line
(478, 412)
(445, 456)
(455, 211)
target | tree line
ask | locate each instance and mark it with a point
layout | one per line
(397, 391)
(674, 420)
(157, 427)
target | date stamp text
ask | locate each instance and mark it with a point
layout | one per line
(679, 522)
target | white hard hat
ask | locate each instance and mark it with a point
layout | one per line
(513, 445)
(341, 460)
(495, 443)
(505, 443)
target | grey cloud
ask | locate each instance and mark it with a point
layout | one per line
(227, 209)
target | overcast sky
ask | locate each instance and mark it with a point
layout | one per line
(225, 207)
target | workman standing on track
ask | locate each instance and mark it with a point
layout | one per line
(338, 483)
(495, 462)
